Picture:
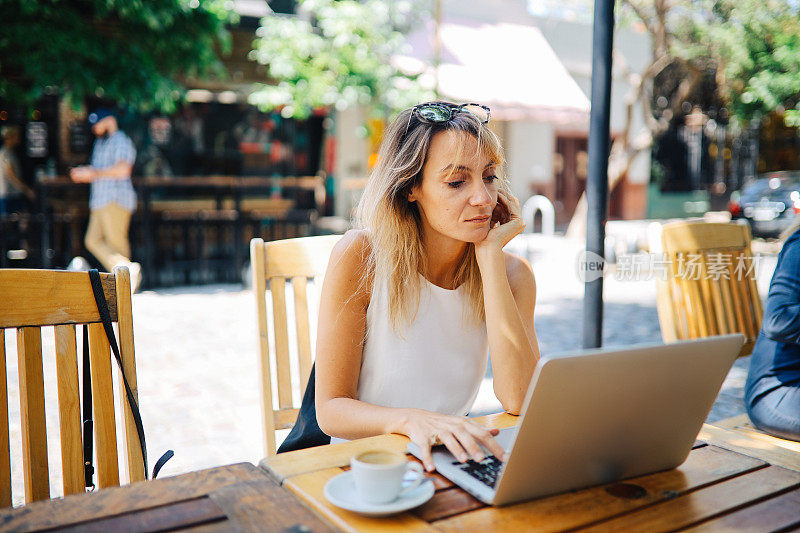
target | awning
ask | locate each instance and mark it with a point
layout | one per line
(509, 67)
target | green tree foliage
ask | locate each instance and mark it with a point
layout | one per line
(338, 53)
(133, 51)
(754, 45)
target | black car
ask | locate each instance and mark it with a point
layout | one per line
(770, 203)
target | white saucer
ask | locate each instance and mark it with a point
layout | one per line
(341, 492)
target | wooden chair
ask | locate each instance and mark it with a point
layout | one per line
(35, 298)
(274, 263)
(710, 285)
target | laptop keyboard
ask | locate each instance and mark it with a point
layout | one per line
(487, 471)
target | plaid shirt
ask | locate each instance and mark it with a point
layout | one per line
(106, 189)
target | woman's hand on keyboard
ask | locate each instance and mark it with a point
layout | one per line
(461, 435)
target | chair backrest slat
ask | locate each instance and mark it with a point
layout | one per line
(277, 288)
(304, 256)
(697, 325)
(69, 409)
(260, 289)
(103, 405)
(273, 264)
(672, 304)
(50, 297)
(757, 307)
(34, 431)
(5, 452)
(707, 298)
(738, 307)
(743, 283)
(285, 418)
(131, 447)
(727, 298)
(720, 324)
(302, 326)
(720, 294)
(695, 236)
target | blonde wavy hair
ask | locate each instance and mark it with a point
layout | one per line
(393, 223)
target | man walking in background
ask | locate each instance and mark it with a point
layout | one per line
(112, 199)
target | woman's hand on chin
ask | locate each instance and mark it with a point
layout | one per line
(506, 224)
(459, 434)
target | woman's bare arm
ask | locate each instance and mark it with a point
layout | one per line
(509, 290)
(509, 295)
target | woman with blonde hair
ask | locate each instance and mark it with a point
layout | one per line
(415, 301)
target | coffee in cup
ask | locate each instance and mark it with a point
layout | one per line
(378, 475)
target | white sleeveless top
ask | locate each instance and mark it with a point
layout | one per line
(436, 364)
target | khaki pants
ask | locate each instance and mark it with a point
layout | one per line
(107, 235)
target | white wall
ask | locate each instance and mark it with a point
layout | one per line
(572, 43)
(352, 151)
(530, 147)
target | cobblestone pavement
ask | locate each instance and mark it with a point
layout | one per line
(196, 357)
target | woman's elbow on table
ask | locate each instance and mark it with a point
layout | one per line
(323, 416)
(510, 399)
(512, 408)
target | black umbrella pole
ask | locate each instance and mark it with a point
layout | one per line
(597, 180)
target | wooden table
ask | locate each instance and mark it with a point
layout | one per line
(237, 497)
(729, 482)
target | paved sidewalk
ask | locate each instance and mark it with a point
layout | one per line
(198, 373)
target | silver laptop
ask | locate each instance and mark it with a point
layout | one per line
(599, 416)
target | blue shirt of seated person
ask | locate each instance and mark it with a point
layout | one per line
(772, 390)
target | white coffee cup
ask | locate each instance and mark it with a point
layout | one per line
(378, 475)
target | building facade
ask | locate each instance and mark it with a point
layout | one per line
(535, 72)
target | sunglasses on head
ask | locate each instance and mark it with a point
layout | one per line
(442, 112)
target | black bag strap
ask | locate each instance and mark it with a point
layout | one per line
(105, 316)
(88, 424)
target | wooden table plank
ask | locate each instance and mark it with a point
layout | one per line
(263, 505)
(309, 488)
(732, 422)
(164, 518)
(285, 465)
(446, 503)
(761, 448)
(705, 465)
(709, 502)
(769, 439)
(78, 508)
(741, 424)
(776, 514)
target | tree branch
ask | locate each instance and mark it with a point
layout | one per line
(638, 10)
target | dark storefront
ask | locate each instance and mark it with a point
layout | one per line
(209, 177)
(702, 161)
